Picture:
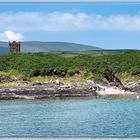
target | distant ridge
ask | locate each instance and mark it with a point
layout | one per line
(38, 46)
(3, 50)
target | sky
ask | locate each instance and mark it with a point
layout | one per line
(104, 25)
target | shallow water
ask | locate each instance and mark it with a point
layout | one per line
(70, 117)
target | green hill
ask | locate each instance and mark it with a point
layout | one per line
(37, 46)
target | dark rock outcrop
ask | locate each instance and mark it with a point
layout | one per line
(134, 86)
(112, 79)
(39, 90)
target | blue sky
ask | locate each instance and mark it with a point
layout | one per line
(109, 26)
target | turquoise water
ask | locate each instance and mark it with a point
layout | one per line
(70, 117)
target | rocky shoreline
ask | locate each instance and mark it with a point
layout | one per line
(40, 90)
(53, 89)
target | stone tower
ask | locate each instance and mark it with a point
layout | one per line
(14, 47)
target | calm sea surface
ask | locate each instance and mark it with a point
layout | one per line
(70, 117)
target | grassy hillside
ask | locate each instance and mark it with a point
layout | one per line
(36, 46)
(35, 64)
(93, 52)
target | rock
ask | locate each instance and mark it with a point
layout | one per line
(22, 83)
(54, 84)
(57, 81)
(112, 79)
(134, 86)
(14, 78)
(5, 78)
(12, 89)
(37, 84)
(88, 84)
(65, 87)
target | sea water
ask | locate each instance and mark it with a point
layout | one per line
(70, 118)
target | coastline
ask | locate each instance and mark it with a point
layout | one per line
(56, 89)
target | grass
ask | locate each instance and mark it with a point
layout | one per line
(127, 77)
(70, 66)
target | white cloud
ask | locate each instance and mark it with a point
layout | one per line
(10, 36)
(66, 21)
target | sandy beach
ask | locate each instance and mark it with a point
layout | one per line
(114, 91)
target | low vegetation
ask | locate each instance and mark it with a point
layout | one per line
(30, 65)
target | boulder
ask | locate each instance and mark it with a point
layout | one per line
(134, 86)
